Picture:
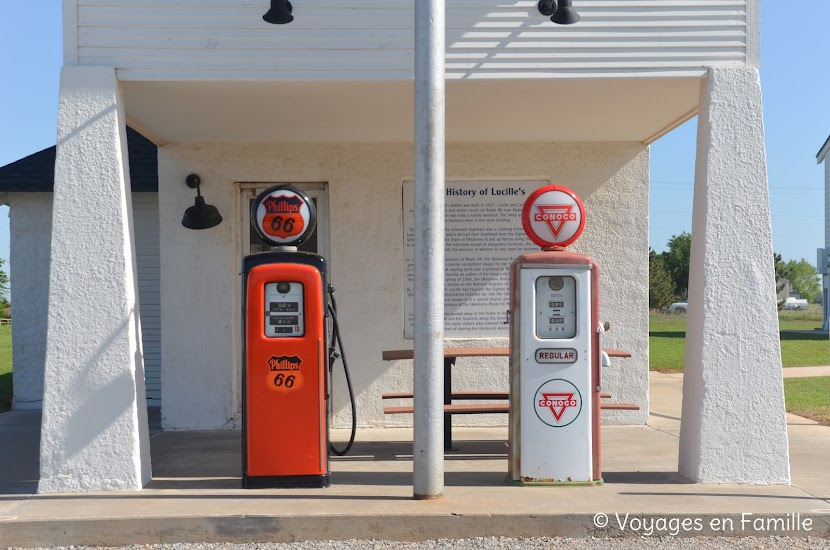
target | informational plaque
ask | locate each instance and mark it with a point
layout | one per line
(483, 235)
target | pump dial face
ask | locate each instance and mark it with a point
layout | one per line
(556, 283)
(283, 216)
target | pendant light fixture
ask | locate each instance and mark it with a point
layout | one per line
(200, 215)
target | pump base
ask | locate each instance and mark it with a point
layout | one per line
(541, 483)
(286, 482)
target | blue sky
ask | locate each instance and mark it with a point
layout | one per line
(795, 78)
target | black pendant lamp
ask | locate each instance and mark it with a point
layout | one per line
(563, 14)
(280, 13)
(200, 215)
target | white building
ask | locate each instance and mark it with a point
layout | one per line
(26, 186)
(822, 263)
(326, 103)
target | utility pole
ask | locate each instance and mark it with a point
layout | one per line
(428, 444)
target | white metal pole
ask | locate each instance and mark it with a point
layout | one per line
(428, 451)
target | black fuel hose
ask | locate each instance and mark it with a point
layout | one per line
(338, 341)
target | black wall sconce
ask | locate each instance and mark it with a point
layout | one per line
(280, 13)
(564, 14)
(200, 215)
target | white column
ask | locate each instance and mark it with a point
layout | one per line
(94, 435)
(734, 425)
(825, 280)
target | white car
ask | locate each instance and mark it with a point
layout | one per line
(678, 307)
(795, 303)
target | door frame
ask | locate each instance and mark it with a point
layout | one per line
(244, 193)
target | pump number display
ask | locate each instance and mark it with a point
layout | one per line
(556, 307)
(288, 307)
(283, 298)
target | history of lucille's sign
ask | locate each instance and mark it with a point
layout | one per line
(483, 235)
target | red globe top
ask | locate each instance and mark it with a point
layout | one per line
(553, 216)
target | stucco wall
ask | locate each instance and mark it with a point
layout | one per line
(30, 217)
(200, 281)
(734, 427)
(30, 220)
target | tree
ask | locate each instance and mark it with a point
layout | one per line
(677, 259)
(660, 286)
(803, 279)
(780, 266)
(4, 280)
(780, 273)
(5, 306)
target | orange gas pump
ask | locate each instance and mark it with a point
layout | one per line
(287, 358)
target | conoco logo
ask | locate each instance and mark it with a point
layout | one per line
(557, 403)
(555, 216)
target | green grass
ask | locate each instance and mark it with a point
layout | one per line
(800, 319)
(5, 367)
(667, 340)
(808, 397)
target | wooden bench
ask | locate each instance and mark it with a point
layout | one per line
(450, 408)
(471, 395)
(488, 408)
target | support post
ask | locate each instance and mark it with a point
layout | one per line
(734, 427)
(428, 450)
(94, 435)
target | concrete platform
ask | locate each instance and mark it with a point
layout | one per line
(195, 495)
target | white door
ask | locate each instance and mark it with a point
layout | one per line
(319, 241)
(250, 243)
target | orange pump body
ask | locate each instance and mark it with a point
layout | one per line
(285, 403)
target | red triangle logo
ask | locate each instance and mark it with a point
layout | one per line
(556, 216)
(558, 403)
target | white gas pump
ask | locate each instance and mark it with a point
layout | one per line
(555, 349)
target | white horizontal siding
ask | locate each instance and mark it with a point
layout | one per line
(146, 223)
(371, 39)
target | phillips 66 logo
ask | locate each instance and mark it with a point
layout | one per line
(557, 403)
(284, 374)
(283, 215)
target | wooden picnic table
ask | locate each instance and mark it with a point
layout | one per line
(450, 355)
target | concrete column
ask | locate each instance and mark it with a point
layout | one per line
(734, 425)
(30, 216)
(94, 435)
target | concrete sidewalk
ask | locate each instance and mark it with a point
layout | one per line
(806, 372)
(195, 494)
